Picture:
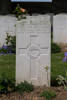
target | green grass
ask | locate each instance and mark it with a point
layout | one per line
(7, 65)
(58, 67)
(49, 94)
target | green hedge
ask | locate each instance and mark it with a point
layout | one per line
(55, 48)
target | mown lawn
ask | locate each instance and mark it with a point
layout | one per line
(58, 67)
(7, 65)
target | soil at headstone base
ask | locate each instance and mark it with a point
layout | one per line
(61, 94)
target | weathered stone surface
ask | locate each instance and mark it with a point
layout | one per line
(60, 28)
(33, 50)
(7, 25)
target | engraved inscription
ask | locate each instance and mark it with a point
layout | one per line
(34, 51)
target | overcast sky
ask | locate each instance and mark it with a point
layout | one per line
(33, 0)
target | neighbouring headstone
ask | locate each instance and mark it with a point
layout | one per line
(7, 25)
(60, 28)
(33, 50)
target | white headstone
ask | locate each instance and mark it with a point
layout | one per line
(60, 28)
(33, 50)
(7, 25)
